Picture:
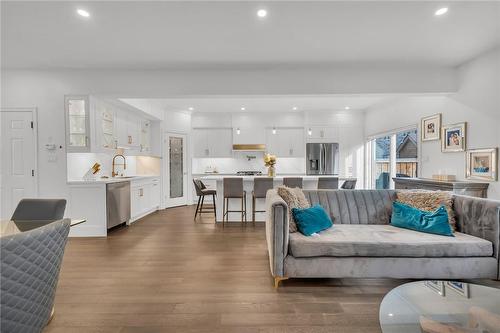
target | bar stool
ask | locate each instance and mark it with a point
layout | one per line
(328, 183)
(201, 192)
(349, 184)
(260, 187)
(292, 182)
(233, 189)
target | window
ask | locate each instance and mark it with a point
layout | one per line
(393, 155)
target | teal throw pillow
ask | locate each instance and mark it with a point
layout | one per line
(408, 217)
(311, 220)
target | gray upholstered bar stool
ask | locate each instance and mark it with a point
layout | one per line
(292, 182)
(201, 192)
(328, 183)
(260, 187)
(233, 189)
(349, 184)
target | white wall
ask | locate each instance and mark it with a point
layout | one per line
(477, 102)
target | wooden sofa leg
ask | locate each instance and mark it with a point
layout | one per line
(278, 279)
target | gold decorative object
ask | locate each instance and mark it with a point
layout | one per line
(270, 161)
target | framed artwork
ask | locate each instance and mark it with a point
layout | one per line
(461, 288)
(436, 286)
(481, 164)
(431, 127)
(453, 138)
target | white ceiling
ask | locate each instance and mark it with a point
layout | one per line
(136, 35)
(261, 103)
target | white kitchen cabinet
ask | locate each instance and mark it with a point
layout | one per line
(77, 113)
(128, 128)
(323, 134)
(220, 142)
(212, 142)
(286, 142)
(200, 143)
(155, 194)
(145, 136)
(105, 133)
(144, 197)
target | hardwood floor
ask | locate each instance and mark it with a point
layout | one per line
(166, 273)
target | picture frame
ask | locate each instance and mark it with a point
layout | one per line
(454, 137)
(430, 128)
(461, 288)
(481, 164)
(436, 286)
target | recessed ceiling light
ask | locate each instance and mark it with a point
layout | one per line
(242, 108)
(262, 13)
(190, 108)
(294, 108)
(441, 11)
(347, 107)
(83, 12)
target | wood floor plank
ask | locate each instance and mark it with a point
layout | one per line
(166, 273)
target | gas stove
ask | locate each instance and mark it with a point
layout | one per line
(249, 173)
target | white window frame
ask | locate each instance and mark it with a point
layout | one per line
(370, 176)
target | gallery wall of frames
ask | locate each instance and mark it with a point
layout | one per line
(480, 163)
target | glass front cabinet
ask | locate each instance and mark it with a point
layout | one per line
(77, 110)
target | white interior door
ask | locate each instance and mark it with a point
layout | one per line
(18, 159)
(176, 169)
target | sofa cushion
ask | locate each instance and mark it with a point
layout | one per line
(386, 241)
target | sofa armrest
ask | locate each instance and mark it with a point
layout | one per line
(276, 231)
(479, 217)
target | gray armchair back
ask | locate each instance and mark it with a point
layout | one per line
(39, 209)
(29, 271)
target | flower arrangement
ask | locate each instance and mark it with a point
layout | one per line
(269, 162)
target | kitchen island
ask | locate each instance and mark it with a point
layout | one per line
(309, 182)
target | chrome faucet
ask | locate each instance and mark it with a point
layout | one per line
(113, 173)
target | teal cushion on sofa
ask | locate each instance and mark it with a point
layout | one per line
(311, 220)
(408, 217)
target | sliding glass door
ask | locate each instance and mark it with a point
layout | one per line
(394, 154)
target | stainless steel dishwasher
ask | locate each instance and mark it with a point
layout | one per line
(117, 203)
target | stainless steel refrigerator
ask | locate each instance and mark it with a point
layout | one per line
(322, 158)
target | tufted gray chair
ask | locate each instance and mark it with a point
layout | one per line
(29, 271)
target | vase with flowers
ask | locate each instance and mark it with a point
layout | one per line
(270, 161)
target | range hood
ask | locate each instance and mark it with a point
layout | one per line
(249, 147)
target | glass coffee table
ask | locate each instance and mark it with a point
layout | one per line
(441, 307)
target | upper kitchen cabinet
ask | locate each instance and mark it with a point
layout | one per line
(145, 136)
(323, 134)
(77, 111)
(128, 128)
(105, 134)
(285, 142)
(212, 142)
(101, 125)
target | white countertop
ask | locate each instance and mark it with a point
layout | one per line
(109, 180)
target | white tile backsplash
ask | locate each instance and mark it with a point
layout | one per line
(240, 162)
(80, 163)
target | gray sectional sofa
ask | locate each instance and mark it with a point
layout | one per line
(363, 244)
